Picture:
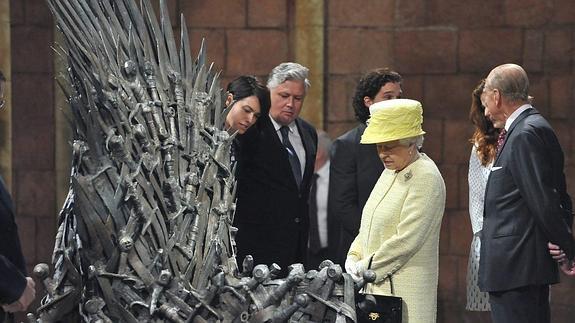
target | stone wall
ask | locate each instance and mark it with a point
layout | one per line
(441, 47)
(33, 185)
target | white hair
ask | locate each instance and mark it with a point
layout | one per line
(511, 80)
(417, 141)
(288, 72)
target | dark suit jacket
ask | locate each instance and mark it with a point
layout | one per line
(271, 212)
(526, 206)
(12, 266)
(354, 171)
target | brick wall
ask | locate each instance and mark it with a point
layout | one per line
(33, 185)
(243, 37)
(32, 117)
(441, 47)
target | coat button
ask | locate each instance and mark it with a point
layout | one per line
(296, 220)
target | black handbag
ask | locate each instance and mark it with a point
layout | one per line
(380, 308)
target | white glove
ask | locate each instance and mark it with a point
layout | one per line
(351, 267)
(359, 268)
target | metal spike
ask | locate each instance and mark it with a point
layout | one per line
(139, 26)
(115, 24)
(151, 204)
(201, 59)
(215, 93)
(169, 36)
(160, 46)
(187, 62)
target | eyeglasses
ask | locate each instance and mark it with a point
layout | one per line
(389, 147)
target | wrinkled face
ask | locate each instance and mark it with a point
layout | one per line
(394, 155)
(388, 91)
(286, 101)
(490, 99)
(243, 114)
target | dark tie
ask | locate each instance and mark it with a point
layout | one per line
(314, 242)
(501, 140)
(293, 160)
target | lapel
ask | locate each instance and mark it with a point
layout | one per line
(309, 151)
(269, 132)
(359, 132)
(510, 133)
(278, 149)
(5, 196)
(517, 121)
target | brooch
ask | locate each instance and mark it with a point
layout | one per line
(408, 175)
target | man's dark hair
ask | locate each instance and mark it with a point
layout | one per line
(2, 78)
(369, 86)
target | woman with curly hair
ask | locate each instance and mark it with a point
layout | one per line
(483, 154)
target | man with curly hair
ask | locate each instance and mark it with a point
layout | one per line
(355, 168)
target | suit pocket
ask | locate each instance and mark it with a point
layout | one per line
(497, 175)
(499, 183)
(505, 233)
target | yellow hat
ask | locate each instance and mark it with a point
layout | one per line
(392, 120)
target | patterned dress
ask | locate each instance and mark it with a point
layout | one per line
(477, 179)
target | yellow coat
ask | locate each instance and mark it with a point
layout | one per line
(400, 228)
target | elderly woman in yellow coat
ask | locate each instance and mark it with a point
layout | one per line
(399, 233)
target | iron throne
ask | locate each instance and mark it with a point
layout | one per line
(145, 234)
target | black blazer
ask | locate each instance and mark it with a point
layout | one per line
(526, 206)
(354, 170)
(12, 265)
(271, 212)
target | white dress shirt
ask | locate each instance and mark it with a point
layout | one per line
(321, 200)
(514, 115)
(295, 140)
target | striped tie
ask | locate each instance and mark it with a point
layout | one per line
(293, 159)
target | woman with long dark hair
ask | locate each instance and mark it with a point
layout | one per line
(483, 152)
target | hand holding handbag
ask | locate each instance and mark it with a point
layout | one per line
(380, 308)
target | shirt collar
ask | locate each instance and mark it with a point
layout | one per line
(516, 114)
(292, 126)
(323, 171)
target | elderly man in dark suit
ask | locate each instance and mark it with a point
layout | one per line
(275, 167)
(355, 168)
(16, 290)
(526, 204)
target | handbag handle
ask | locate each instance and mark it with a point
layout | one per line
(388, 276)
